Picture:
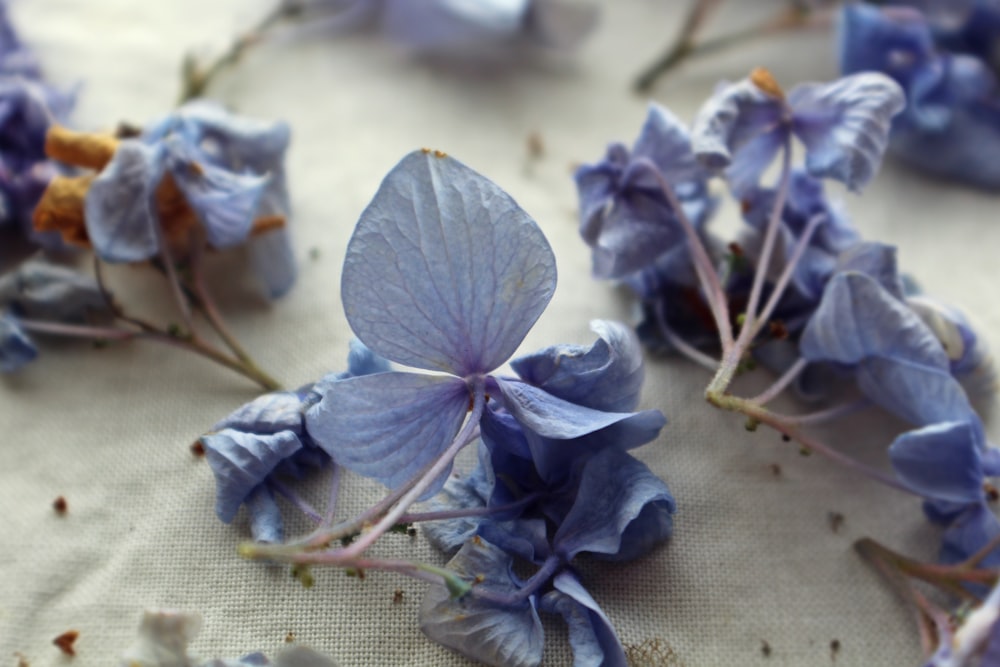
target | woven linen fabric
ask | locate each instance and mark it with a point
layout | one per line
(756, 572)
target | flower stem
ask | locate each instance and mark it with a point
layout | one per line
(196, 79)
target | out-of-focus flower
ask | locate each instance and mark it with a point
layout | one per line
(944, 58)
(198, 170)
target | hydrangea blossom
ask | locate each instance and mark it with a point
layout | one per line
(197, 169)
(943, 56)
(487, 29)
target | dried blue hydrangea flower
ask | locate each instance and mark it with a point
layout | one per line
(944, 58)
(228, 169)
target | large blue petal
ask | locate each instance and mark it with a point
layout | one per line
(118, 209)
(241, 461)
(389, 426)
(622, 510)
(16, 349)
(845, 125)
(489, 633)
(550, 416)
(940, 461)
(444, 270)
(224, 200)
(606, 376)
(591, 635)
(919, 394)
(857, 319)
(874, 259)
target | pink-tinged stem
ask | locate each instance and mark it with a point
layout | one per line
(829, 414)
(334, 495)
(786, 274)
(468, 512)
(708, 277)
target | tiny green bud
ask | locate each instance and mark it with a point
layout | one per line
(304, 575)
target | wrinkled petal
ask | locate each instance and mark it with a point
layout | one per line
(270, 413)
(389, 426)
(665, 141)
(916, 393)
(550, 416)
(940, 461)
(459, 493)
(491, 634)
(739, 117)
(50, 292)
(591, 634)
(241, 461)
(224, 200)
(606, 376)
(444, 270)
(16, 349)
(845, 125)
(622, 510)
(118, 210)
(877, 260)
(857, 319)
(266, 524)
(525, 538)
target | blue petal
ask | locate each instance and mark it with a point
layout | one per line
(556, 458)
(224, 200)
(622, 510)
(389, 426)
(916, 393)
(739, 117)
(272, 257)
(444, 270)
(242, 461)
(665, 141)
(491, 634)
(46, 291)
(270, 413)
(362, 361)
(16, 349)
(858, 319)
(550, 416)
(525, 538)
(845, 125)
(459, 493)
(266, 524)
(877, 260)
(607, 376)
(119, 208)
(971, 531)
(591, 634)
(940, 461)
(596, 185)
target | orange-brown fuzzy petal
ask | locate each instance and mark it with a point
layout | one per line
(61, 208)
(92, 150)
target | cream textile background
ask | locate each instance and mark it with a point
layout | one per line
(753, 558)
